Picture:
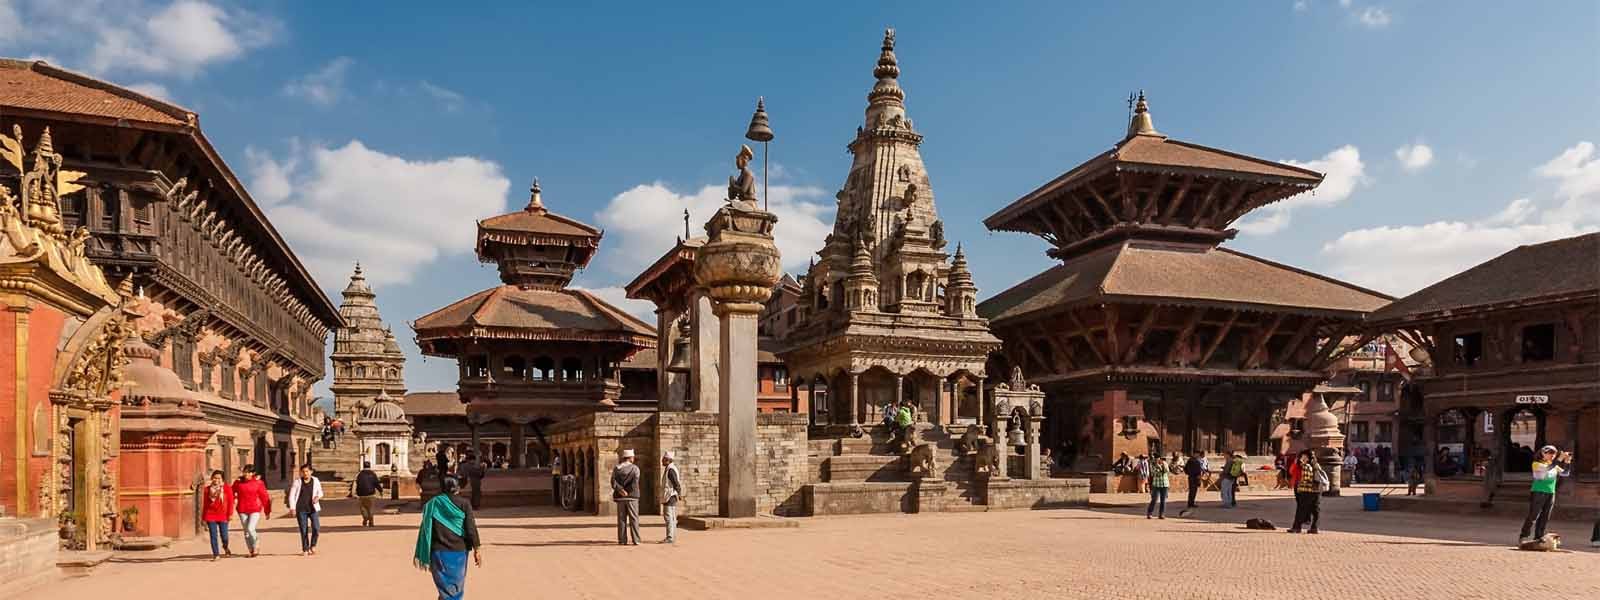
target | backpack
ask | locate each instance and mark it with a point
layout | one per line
(1320, 481)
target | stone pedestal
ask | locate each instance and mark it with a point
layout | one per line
(1325, 440)
(737, 267)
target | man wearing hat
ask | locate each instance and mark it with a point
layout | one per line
(671, 488)
(625, 492)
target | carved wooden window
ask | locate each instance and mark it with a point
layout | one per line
(1468, 348)
(183, 358)
(142, 218)
(780, 379)
(110, 202)
(1539, 342)
(228, 369)
(72, 210)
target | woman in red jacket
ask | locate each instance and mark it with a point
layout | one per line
(217, 499)
(254, 504)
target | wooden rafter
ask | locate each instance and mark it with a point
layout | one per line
(1083, 207)
(1088, 337)
(1111, 215)
(1332, 344)
(1113, 331)
(1205, 204)
(1138, 336)
(1060, 352)
(1066, 221)
(1261, 342)
(1222, 334)
(1346, 351)
(1228, 207)
(1034, 353)
(1177, 199)
(1152, 198)
(1125, 193)
(1183, 335)
(1293, 346)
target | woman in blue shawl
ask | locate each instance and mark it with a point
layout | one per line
(447, 532)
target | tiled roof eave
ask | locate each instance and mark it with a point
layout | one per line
(480, 332)
(1384, 317)
(1349, 314)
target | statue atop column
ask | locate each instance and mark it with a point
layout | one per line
(742, 187)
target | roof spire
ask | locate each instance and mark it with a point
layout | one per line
(887, 91)
(1141, 124)
(535, 204)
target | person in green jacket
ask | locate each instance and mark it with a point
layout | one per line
(902, 422)
(1552, 463)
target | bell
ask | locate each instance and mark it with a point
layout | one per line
(759, 130)
(1016, 438)
(680, 350)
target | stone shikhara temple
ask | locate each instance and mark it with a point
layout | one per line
(1151, 337)
(885, 315)
(368, 389)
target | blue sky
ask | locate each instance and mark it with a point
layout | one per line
(1450, 131)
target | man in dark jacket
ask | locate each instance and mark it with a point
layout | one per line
(473, 470)
(1194, 468)
(625, 492)
(366, 492)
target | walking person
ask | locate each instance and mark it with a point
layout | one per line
(253, 504)
(447, 532)
(305, 499)
(473, 470)
(625, 492)
(1552, 463)
(1350, 467)
(671, 489)
(1309, 481)
(1193, 468)
(366, 489)
(1158, 488)
(1413, 479)
(217, 508)
(1232, 470)
(1143, 468)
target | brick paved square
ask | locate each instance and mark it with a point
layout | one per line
(1111, 552)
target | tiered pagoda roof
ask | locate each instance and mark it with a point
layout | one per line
(1151, 186)
(537, 252)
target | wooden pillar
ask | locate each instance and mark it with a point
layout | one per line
(794, 397)
(811, 399)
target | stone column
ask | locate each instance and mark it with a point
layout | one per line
(899, 389)
(738, 267)
(855, 392)
(794, 396)
(473, 425)
(704, 333)
(811, 400)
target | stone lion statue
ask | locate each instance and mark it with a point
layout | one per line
(923, 462)
(989, 459)
(969, 440)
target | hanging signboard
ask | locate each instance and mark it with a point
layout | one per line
(1488, 422)
(1533, 399)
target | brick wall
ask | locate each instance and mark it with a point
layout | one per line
(27, 554)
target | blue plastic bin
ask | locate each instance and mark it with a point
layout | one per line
(1369, 501)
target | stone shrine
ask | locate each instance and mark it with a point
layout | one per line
(367, 363)
(884, 315)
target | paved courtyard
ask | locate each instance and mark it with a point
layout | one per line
(1108, 552)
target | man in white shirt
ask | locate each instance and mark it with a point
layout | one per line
(671, 489)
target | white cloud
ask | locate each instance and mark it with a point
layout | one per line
(322, 87)
(1344, 3)
(354, 203)
(641, 223)
(1403, 259)
(1301, 5)
(1374, 17)
(1414, 157)
(618, 297)
(450, 99)
(152, 89)
(178, 38)
(1342, 172)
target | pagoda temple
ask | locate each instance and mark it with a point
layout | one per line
(532, 351)
(1150, 336)
(885, 314)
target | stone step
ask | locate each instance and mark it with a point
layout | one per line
(336, 489)
(80, 563)
(854, 468)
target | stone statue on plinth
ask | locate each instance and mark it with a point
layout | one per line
(738, 266)
(742, 187)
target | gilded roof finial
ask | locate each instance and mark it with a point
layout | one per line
(1141, 124)
(535, 203)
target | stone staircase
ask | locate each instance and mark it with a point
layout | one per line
(340, 463)
(869, 475)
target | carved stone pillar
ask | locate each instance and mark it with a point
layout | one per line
(853, 412)
(519, 444)
(738, 267)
